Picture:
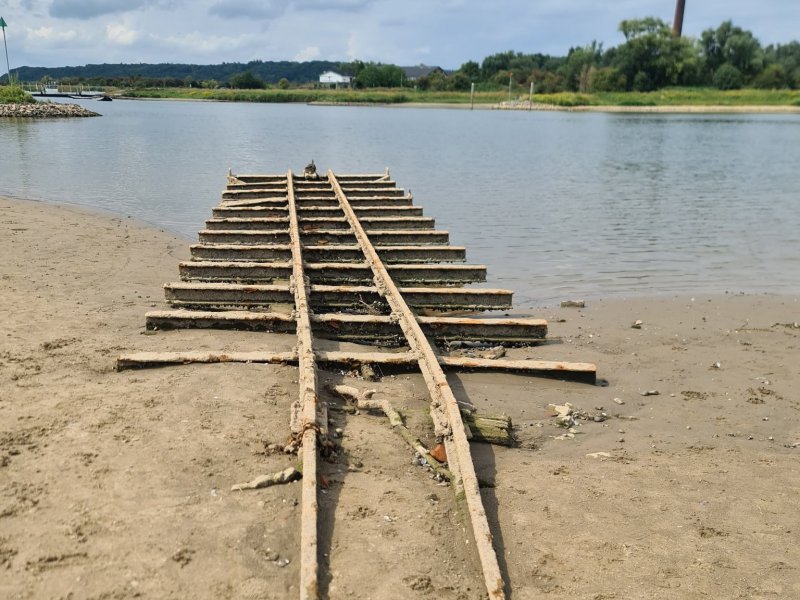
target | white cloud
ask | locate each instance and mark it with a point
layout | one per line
(202, 43)
(51, 34)
(120, 34)
(306, 54)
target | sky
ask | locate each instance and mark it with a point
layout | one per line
(446, 33)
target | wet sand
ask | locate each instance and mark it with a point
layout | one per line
(116, 485)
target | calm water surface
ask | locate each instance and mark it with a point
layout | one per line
(556, 204)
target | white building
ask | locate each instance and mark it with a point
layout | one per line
(333, 78)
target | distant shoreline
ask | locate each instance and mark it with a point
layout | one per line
(537, 107)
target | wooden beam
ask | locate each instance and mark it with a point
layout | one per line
(335, 273)
(358, 328)
(581, 372)
(189, 294)
(327, 253)
(396, 237)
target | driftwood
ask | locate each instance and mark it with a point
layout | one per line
(363, 401)
(286, 476)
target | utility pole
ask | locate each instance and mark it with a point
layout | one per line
(8, 66)
(509, 85)
(677, 25)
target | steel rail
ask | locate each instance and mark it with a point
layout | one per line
(441, 394)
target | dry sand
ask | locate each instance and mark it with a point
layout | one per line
(116, 485)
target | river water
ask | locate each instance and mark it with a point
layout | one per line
(558, 205)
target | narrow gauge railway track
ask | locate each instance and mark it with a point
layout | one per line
(356, 260)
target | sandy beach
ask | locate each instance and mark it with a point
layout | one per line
(117, 484)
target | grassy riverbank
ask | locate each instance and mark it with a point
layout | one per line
(664, 97)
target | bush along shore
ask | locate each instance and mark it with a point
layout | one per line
(45, 110)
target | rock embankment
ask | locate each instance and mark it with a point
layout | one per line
(45, 109)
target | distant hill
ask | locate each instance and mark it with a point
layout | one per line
(269, 71)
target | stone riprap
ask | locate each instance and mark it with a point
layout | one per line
(45, 110)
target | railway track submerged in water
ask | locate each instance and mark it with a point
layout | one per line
(347, 257)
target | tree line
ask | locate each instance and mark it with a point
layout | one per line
(651, 57)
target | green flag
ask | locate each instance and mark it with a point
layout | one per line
(3, 23)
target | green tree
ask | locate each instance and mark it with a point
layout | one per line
(576, 68)
(733, 45)
(471, 70)
(458, 81)
(728, 77)
(773, 77)
(246, 81)
(379, 75)
(788, 57)
(606, 79)
(495, 63)
(652, 57)
(546, 82)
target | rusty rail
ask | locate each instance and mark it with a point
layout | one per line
(308, 425)
(441, 395)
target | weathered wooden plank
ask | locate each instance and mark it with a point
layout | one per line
(280, 222)
(364, 211)
(330, 200)
(272, 178)
(582, 372)
(279, 202)
(585, 372)
(329, 236)
(335, 273)
(369, 223)
(369, 328)
(272, 223)
(360, 192)
(186, 294)
(251, 192)
(327, 253)
(224, 211)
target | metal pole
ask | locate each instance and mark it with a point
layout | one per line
(530, 98)
(677, 24)
(472, 96)
(509, 85)
(5, 45)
